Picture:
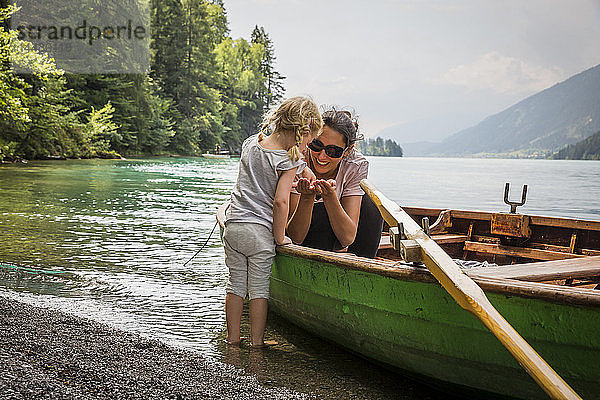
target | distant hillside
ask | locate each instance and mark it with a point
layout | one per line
(538, 126)
(587, 149)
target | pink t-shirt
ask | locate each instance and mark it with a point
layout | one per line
(352, 169)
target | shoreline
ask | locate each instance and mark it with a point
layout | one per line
(18, 160)
(49, 354)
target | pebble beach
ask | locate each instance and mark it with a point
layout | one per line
(48, 354)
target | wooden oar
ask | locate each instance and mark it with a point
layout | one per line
(471, 297)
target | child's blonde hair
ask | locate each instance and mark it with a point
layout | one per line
(299, 115)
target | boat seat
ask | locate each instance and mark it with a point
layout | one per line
(573, 268)
(513, 251)
(449, 238)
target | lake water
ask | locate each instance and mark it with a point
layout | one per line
(119, 232)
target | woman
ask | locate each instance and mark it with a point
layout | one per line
(334, 213)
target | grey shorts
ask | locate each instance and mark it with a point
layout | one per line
(249, 254)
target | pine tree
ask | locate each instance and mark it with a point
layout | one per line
(274, 90)
(168, 48)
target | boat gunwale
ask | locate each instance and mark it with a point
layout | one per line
(539, 220)
(402, 271)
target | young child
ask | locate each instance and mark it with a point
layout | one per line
(256, 219)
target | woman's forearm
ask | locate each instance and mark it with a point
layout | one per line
(300, 222)
(342, 224)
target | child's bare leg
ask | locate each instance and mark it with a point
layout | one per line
(258, 321)
(234, 305)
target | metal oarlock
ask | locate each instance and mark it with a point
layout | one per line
(425, 225)
(401, 229)
(514, 204)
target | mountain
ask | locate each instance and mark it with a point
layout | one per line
(587, 149)
(538, 126)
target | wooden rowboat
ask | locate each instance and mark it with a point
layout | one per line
(546, 285)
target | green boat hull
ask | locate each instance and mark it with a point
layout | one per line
(409, 322)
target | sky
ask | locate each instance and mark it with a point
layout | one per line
(450, 63)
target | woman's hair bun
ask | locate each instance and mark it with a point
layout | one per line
(343, 121)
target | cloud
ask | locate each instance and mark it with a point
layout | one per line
(502, 74)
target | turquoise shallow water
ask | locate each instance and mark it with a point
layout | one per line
(119, 231)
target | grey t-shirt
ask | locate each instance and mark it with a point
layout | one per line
(254, 193)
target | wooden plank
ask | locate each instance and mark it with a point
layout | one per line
(463, 214)
(449, 238)
(566, 223)
(588, 252)
(551, 247)
(574, 268)
(483, 239)
(535, 254)
(472, 215)
(515, 225)
(564, 249)
(487, 216)
(426, 212)
(470, 297)
(443, 222)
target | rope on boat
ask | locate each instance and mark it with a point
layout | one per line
(204, 245)
(29, 270)
(468, 264)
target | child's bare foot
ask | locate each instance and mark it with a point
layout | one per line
(266, 343)
(234, 342)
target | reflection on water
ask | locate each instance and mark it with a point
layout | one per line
(110, 237)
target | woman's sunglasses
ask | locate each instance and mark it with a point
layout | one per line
(331, 150)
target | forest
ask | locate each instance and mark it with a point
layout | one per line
(202, 89)
(587, 149)
(380, 147)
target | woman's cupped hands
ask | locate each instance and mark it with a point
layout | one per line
(323, 187)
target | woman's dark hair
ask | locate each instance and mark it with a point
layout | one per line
(343, 122)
